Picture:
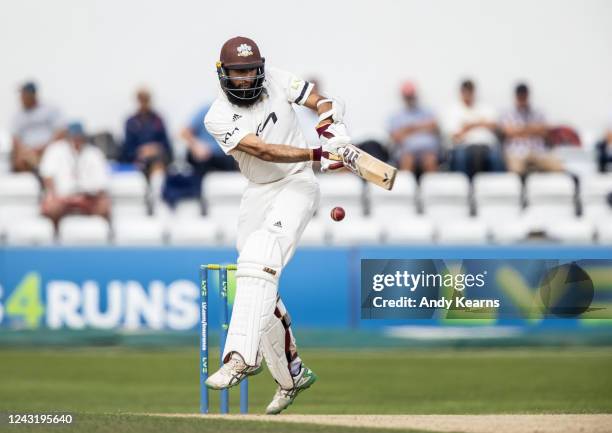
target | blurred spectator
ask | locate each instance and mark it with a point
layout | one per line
(414, 132)
(203, 152)
(525, 130)
(471, 127)
(34, 128)
(75, 177)
(146, 142)
(604, 149)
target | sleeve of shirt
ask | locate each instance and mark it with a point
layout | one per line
(226, 132)
(297, 89)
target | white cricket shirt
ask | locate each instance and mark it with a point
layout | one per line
(461, 114)
(75, 172)
(272, 118)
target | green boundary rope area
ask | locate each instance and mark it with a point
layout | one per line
(424, 381)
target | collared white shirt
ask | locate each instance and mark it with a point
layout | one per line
(75, 172)
(272, 118)
(460, 114)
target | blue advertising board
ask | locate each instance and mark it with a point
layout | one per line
(158, 288)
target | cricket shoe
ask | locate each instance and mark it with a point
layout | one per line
(232, 373)
(284, 397)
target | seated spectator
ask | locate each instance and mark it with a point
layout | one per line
(146, 142)
(604, 150)
(525, 130)
(471, 127)
(203, 152)
(75, 177)
(34, 128)
(414, 132)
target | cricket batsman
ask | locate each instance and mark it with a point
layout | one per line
(253, 120)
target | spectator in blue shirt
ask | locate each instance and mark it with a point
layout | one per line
(203, 152)
(414, 132)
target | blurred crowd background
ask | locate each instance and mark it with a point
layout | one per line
(472, 170)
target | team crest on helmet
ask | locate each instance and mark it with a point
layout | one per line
(244, 50)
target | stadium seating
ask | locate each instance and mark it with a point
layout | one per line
(412, 230)
(19, 196)
(357, 231)
(444, 196)
(30, 231)
(83, 230)
(193, 231)
(497, 196)
(314, 234)
(463, 232)
(397, 204)
(549, 196)
(341, 189)
(138, 231)
(191, 208)
(438, 210)
(221, 194)
(572, 231)
(228, 232)
(510, 232)
(604, 233)
(128, 191)
(594, 190)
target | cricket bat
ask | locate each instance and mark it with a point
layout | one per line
(368, 167)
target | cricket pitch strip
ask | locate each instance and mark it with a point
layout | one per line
(507, 423)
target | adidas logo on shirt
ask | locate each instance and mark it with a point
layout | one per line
(278, 224)
(236, 117)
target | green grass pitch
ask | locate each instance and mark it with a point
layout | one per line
(103, 386)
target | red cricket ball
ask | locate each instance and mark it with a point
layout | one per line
(337, 213)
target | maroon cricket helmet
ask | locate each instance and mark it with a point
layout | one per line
(241, 53)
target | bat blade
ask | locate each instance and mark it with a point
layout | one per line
(368, 167)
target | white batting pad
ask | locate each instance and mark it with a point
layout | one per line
(259, 266)
(273, 350)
